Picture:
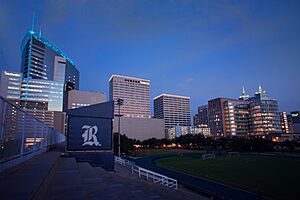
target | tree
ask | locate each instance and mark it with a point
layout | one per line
(290, 145)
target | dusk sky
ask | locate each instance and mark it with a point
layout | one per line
(202, 49)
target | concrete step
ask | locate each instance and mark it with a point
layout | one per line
(71, 180)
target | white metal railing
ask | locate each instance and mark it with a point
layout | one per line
(147, 174)
(154, 177)
(119, 160)
(123, 161)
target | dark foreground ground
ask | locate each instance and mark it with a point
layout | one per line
(50, 176)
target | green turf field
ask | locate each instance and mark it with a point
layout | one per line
(277, 178)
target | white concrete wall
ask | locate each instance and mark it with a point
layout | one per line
(140, 128)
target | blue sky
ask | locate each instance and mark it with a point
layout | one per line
(202, 49)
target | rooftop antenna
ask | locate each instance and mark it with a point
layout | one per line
(40, 33)
(33, 22)
(244, 90)
(259, 85)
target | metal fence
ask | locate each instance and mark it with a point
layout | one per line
(124, 162)
(154, 177)
(22, 135)
(147, 174)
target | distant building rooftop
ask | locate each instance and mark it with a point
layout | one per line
(128, 77)
(39, 37)
(171, 95)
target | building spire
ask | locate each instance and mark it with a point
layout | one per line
(259, 90)
(244, 96)
(40, 32)
(33, 23)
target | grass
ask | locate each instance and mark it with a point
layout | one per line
(276, 177)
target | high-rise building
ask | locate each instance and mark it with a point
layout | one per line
(10, 86)
(134, 91)
(47, 73)
(295, 121)
(236, 118)
(174, 109)
(77, 98)
(203, 116)
(223, 115)
(40, 59)
(205, 131)
(257, 115)
(284, 123)
(290, 123)
(264, 115)
(244, 96)
(177, 131)
(196, 120)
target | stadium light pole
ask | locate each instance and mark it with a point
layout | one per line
(119, 103)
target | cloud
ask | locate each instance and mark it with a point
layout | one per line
(186, 82)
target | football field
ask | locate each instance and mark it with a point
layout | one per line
(277, 178)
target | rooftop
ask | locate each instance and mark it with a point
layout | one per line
(45, 42)
(128, 77)
(171, 95)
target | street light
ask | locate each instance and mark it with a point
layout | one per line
(119, 103)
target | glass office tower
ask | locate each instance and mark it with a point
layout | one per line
(47, 75)
(47, 72)
(40, 59)
(264, 115)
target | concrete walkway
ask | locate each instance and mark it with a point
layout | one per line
(23, 181)
(71, 180)
(49, 176)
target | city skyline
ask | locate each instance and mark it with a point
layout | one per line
(175, 72)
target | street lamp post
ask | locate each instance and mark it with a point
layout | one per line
(119, 103)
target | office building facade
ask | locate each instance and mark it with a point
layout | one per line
(203, 116)
(257, 115)
(174, 109)
(264, 114)
(236, 118)
(45, 73)
(227, 117)
(10, 86)
(140, 128)
(216, 120)
(196, 120)
(295, 121)
(40, 59)
(202, 131)
(177, 131)
(77, 98)
(134, 91)
(284, 123)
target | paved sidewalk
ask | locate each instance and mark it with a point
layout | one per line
(71, 180)
(24, 180)
(49, 176)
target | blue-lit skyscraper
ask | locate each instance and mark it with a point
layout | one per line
(47, 74)
(40, 59)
